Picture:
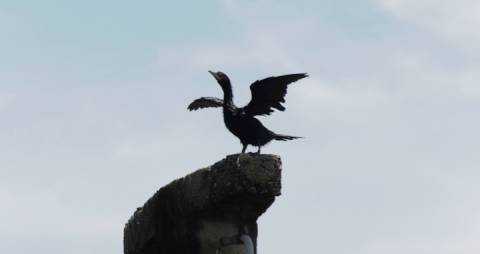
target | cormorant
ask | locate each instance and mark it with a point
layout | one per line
(267, 94)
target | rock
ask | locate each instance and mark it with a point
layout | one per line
(212, 210)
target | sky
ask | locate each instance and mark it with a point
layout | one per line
(93, 98)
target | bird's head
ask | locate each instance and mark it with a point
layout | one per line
(221, 78)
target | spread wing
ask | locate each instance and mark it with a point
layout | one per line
(269, 93)
(205, 102)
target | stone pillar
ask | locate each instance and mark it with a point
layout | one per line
(211, 211)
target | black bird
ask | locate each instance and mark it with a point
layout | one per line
(267, 94)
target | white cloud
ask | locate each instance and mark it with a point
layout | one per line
(6, 99)
(457, 21)
(387, 120)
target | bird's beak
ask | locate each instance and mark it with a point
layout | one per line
(214, 74)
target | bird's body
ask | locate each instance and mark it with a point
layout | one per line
(266, 94)
(248, 129)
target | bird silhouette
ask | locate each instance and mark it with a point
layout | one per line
(267, 94)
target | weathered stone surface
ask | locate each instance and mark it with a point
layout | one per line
(210, 210)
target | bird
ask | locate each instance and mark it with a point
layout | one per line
(267, 96)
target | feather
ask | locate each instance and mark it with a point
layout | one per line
(269, 93)
(205, 102)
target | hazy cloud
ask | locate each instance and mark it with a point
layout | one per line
(389, 162)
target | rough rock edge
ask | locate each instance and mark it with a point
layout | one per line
(257, 181)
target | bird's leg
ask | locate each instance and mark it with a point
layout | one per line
(244, 148)
(258, 152)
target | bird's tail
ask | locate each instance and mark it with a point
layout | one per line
(284, 137)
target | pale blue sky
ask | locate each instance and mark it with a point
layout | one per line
(93, 100)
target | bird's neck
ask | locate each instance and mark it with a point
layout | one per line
(227, 95)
